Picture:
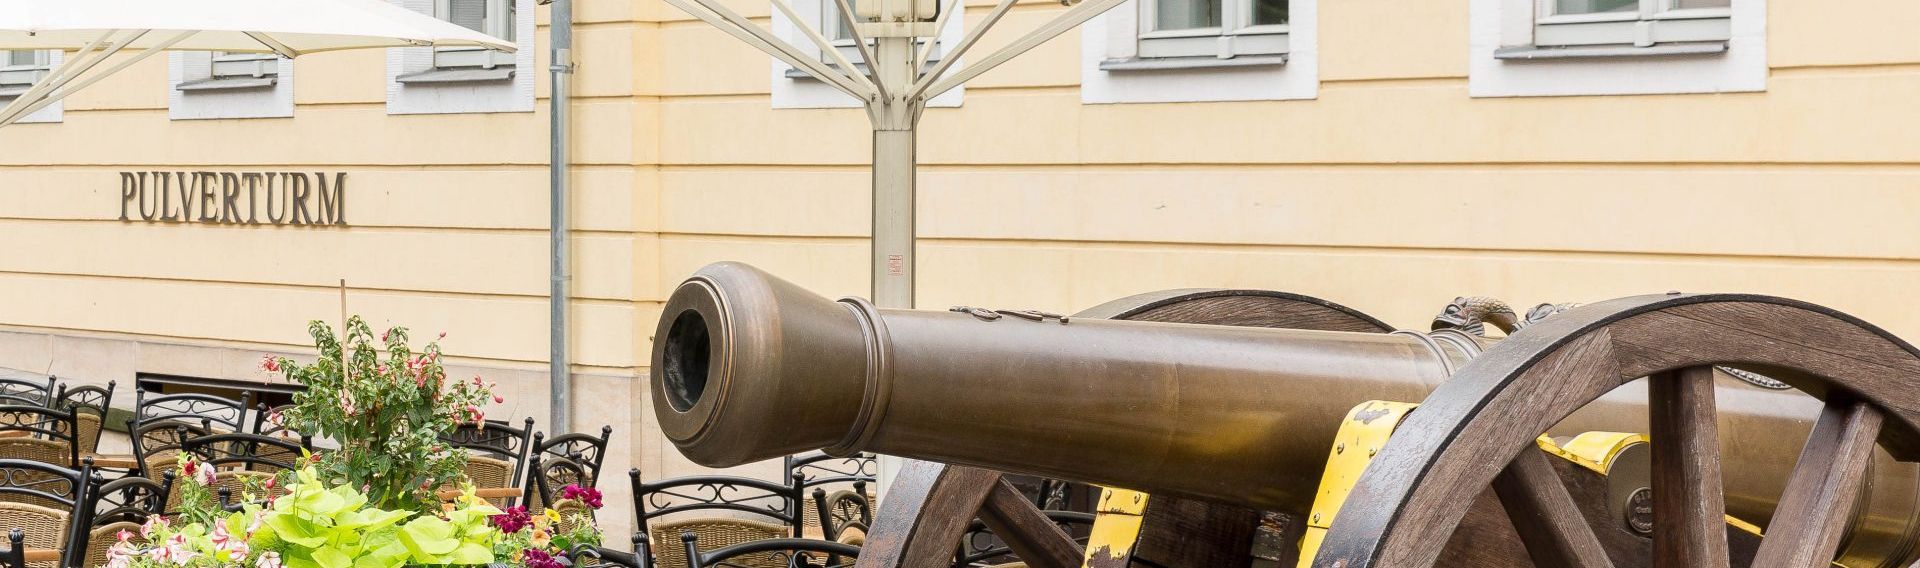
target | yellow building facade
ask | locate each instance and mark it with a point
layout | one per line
(1390, 156)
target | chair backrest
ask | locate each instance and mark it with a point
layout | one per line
(250, 452)
(33, 391)
(979, 547)
(787, 552)
(575, 457)
(156, 443)
(817, 468)
(219, 413)
(777, 501)
(48, 434)
(497, 440)
(62, 489)
(89, 405)
(841, 510)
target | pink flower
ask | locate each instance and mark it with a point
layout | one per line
(443, 335)
(270, 363)
(154, 523)
(587, 495)
(384, 335)
(497, 399)
(268, 559)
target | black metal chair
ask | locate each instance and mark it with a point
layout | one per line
(40, 434)
(496, 452)
(979, 547)
(838, 475)
(239, 458)
(788, 552)
(122, 505)
(156, 445)
(28, 391)
(217, 413)
(89, 405)
(48, 502)
(733, 495)
(843, 510)
(264, 422)
(567, 459)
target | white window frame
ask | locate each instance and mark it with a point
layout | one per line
(22, 77)
(419, 82)
(797, 90)
(1235, 37)
(1515, 50)
(1116, 65)
(498, 25)
(1657, 21)
(207, 85)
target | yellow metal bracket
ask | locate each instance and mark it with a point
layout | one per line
(1362, 433)
(1116, 527)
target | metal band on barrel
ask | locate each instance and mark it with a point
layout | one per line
(1438, 352)
(873, 401)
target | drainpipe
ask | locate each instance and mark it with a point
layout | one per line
(559, 371)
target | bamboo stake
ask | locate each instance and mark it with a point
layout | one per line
(343, 330)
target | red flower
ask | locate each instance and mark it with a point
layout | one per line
(270, 363)
(586, 495)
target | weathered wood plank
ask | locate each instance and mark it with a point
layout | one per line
(1689, 504)
(1545, 516)
(1035, 539)
(1824, 488)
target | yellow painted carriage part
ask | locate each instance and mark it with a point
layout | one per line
(1116, 527)
(1362, 433)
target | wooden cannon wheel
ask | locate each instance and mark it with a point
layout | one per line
(1420, 487)
(929, 506)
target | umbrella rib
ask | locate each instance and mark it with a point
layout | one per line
(86, 59)
(276, 46)
(939, 23)
(966, 43)
(64, 90)
(760, 39)
(866, 54)
(824, 45)
(1074, 16)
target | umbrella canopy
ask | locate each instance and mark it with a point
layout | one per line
(99, 29)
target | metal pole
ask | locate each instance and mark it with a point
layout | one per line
(894, 128)
(559, 371)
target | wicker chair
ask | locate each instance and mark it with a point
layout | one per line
(47, 505)
(848, 512)
(771, 553)
(217, 414)
(156, 445)
(124, 504)
(569, 459)
(40, 434)
(32, 392)
(819, 470)
(89, 405)
(240, 458)
(496, 453)
(729, 495)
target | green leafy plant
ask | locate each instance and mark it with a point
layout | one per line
(389, 407)
(335, 527)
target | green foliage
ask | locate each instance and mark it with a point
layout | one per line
(335, 527)
(389, 411)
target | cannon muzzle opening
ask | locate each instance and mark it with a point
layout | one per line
(748, 367)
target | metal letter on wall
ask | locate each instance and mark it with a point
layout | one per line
(234, 198)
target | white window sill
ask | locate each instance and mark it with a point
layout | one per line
(1178, 63)
(797, 73)
(228, 84)
(10, 91)
(1532, 52)
(502, 73)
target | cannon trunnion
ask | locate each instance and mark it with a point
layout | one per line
(1214, 419)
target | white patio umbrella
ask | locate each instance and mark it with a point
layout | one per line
(99, 29)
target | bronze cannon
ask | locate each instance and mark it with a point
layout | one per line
(749, 367)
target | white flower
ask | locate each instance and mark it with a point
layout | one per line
(270, 559)
(205, 475)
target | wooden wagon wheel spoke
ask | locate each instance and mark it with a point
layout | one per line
(1689, 506)
(1545, 515)
(1823, 489)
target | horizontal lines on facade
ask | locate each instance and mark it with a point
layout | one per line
(1177, 247)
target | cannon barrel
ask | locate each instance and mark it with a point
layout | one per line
(749, 367)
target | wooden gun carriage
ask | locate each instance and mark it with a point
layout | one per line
(1618, 433)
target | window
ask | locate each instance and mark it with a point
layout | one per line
(19, 70)
(455, 80)
(1221, 29)
(23, 68)
(1165, 51)
(1639, 23)
(1527, 48)
(491, 17)
(225, 84)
